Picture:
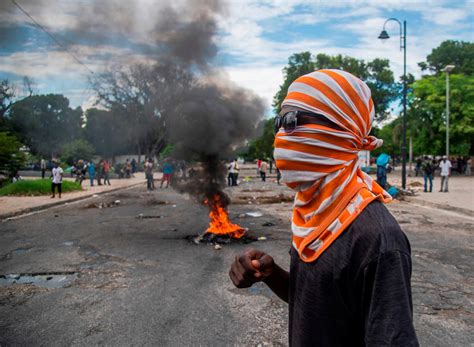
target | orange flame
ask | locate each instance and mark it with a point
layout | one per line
(220, 223)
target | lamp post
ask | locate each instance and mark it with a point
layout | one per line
(447, 69)
(403, 45)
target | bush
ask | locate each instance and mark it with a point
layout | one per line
(11, 158)
(75, 150)
(36, 187)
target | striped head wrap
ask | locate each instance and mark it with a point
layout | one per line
(321, 163)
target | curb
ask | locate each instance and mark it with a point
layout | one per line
(460, 210)
(19, 213)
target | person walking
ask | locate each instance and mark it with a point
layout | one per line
(428, 169)
(263, 170)
(445, 167)
(43, 167)
(91, 169)
(150, 185)
(106, 172)
(350, 270)
(231, 173)
(57, 182)
(100, 172)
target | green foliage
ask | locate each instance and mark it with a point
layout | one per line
(75, 150)
(262, 147)
(427, 114)
(458, 53)
(166, 151)
(45, 123)
(11, 158)
(376, 74)
(36, 187)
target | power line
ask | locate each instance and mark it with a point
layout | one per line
(52, 37)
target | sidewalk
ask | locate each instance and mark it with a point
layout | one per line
(460, 197)
(15, 205)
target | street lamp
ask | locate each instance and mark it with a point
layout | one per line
(447, 69)
(403, 45)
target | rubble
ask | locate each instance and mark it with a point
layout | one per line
(103, 204)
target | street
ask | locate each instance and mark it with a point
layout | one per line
(132, 278)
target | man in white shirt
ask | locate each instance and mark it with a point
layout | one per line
(57, 173)
(445, 166)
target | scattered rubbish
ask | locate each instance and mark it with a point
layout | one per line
(261, 238)
(254, 214)
(415, 184)
(155, 202)
(217, 246)
(48, 280)
(95, 196)
(268, 224)
(222, 239)
(268, 199)
(68, 243)
(56, 215)
(393, 191)
(142, 216)
(174, 205)
(101, 205)
(242, 215)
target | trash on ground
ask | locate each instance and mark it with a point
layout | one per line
(103, 204)
(217, 246)
(261, 238)
(268, 224)
(254, 214)
(56, 280)
(143, 216)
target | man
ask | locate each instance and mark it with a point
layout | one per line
(428, 168)
(43, 167)
(106, 172)
(231, 174)
(445, 167)
(91, 168)
(150, 185)
(100, 172)
(167, 174)
(263, 170)
(57, 182)
(349, 279)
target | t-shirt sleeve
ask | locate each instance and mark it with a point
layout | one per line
(387, 302)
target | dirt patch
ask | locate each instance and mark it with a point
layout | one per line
(262, 200)
(156, 202)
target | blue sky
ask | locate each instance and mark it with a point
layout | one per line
(255, 38)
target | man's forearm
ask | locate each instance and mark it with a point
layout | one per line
(279, 282)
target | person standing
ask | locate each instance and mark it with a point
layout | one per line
(231, 173)
(43, 167)
(349, 278)
(445, 167)
(106, 172)
(134, 167)
(91, 169)
(100, 172)
(428, 170)
(150, 185)
(263, 170)
(468, 166)
(57, 173)
(167, 174)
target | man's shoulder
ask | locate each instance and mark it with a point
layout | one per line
(375, 231)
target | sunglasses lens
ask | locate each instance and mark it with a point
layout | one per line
(278, 121)
(289, 121)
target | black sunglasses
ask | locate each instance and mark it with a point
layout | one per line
(289, 120)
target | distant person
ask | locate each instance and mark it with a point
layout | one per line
(278, 176)
(445, 167)
(91, 169)
(270, 160)
(128, 168)
(231, 175)
(418, 167)
(382, 169)
(236, 173)
(17, 177)
(150, 184)
(468, 166)
(259, 162)
(167, 174)
(43, 166)
(263, 170)
(106, 172)
(428, 169)
(134, 166)
(100, 172)
(57, 174)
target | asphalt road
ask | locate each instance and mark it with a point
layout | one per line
(138, 281)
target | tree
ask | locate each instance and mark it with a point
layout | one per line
(11, 94)
(11, 157)
(458, 53)
(141, 98)
(427, 118)
(376, 74)
(45, 123)
(75, 150)
(262, 147)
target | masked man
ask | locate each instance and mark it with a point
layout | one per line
(349, 278)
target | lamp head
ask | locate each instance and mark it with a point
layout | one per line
(448, 68)
(384, 35)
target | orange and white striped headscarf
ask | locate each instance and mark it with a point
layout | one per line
(322, 163)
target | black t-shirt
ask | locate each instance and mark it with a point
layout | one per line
(358, 292)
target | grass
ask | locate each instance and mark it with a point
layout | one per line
(36, 187)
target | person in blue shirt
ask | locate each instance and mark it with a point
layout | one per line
(167, 174)
(91, 169)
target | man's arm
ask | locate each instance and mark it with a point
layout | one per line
(256, 266)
